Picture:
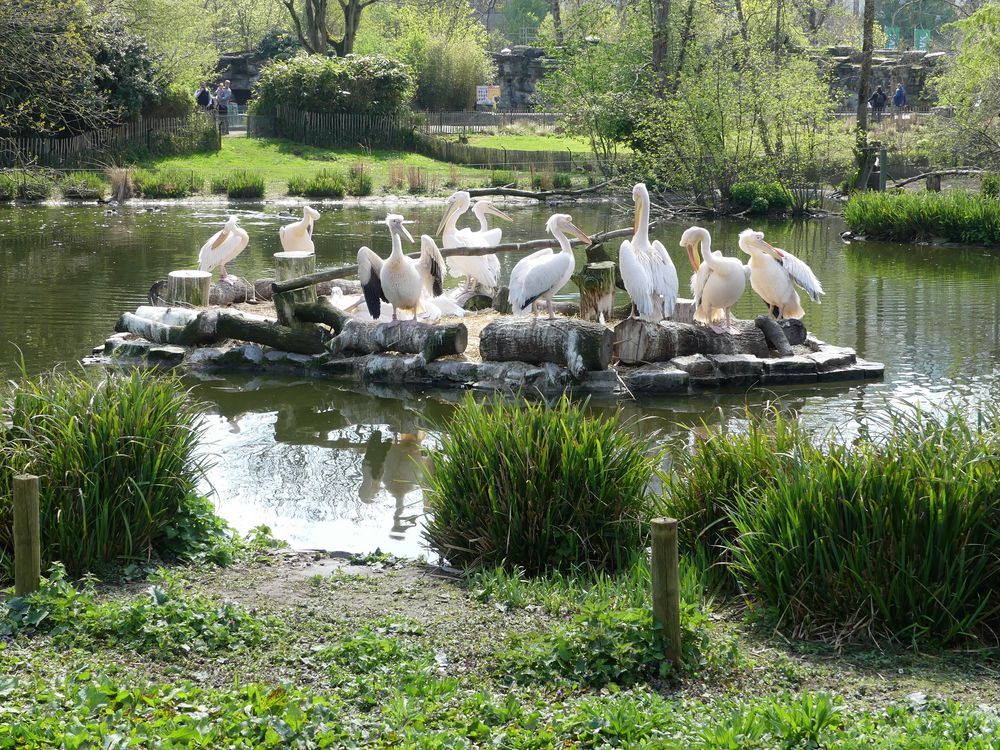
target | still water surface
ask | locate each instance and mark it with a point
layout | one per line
(326, 466)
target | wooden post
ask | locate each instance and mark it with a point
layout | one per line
(882, 169)
(188, 288)
(667, 586)
(934, 183)
(27, 539)
(290, 265)
(597, 291)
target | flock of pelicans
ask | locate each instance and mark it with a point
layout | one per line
(648, 273)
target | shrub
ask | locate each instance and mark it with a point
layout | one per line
(83, 186)
(759, 197)
(537, 486)
(360, 182)
(362, 85)
(169, 183)
(541, 180)
(562, 181)
(416, 180)
(502, 178)
(397, 176)
(218, 185)
(245, 184)
(116, 457)
(990, 185)
(33, 186)
(324, 184)
(8, 187)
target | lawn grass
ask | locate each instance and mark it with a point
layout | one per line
(279, 160)
(530, 142)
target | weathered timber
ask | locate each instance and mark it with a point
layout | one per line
(27, 535)
(579, 345)
(290, 265)
(665, 577)
(189, 288)
(540, 195)
(474, 299)
(407, 337)
(639, 342)
(939, 173)
(321, 311)
(302, 339)
(231, 290)
(201, 329)
(597, 290)
(774, 334)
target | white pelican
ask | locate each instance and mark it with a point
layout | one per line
(542, 274)
(482, 269)
(718, 282)
(298, 237)
(399, 280)
(222, 247)
(484, 236)
(647, 271)
(772, 272)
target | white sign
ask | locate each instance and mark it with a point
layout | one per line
(487, 94)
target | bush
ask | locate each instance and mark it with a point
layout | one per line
(990, 185)
(417, 182)
(170, 183)
(538, 487)
(244, 184)
(33, 186)
(116, 457)
(360, 182)
(889, 538)
(759, 197)
(324, 184)
(956, 216)
(8, 187)
(86, 186)
(562, 181)
(502, 178)
(372, 85)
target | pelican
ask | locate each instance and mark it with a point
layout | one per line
(484, 269)
(772, 273)
(222, 247)
(399, 280)
(484, 236)
(297, 237)
(543, 273)
(647, 271)
(718, 282)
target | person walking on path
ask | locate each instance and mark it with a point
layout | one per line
(899, 98)
(203, 96)
(877, 102)
(223, 96)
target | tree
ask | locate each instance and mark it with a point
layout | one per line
(862, 154)
(312, 25)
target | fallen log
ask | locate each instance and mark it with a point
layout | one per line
(641, 342)
(782, 335)
(303, 339)
(407, 337)
(576, 344)
(540, 195)
(321, 311)
(198, 331)
(222, 293)
(938, 173)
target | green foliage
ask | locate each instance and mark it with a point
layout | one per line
(34, 186)
(325, 184)
(956, 216)
(85, 186)
(888, 537)
(127, 70)
(539, 486)
(759, 197)
(277, 44)
(372, 85)
(169, 183)
(8, 186)
(990, 185)
(199, 135)
(359, 182)
(241, 184)
(562, 181)
(502, 178)
(116, 457)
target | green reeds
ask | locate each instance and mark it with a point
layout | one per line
(325, 184)
(117, 466)
(245, 184)
(168, 183)
(85, 186)
(538, 486)
(955, 216)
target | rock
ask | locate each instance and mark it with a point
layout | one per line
(695, 365)
(832, 358)
(167, 355)
(115, 341)
(656, 378)
(205, 357)
(132, 349)
(738, 369)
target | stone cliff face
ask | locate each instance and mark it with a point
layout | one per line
(911, 68)
(519, 69)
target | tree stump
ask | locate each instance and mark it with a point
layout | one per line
(407, 337)
(501, 301)
(578, 345)
(287, 266)
(190, 288)
(597, 290)
(934, 183)
(640, 342)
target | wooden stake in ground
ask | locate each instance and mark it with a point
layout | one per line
(597, 290)
(664, 569)
(27, 538)
(188, 288)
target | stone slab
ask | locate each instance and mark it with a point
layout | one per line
(656, 379)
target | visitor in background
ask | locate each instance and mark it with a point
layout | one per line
(877, 102)
(203, 96)
(899, 98)
(223, 96)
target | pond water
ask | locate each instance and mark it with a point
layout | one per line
(330, 467)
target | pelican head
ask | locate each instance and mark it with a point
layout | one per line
(486, 207)
(563, 224)
(308, 212)
(640, 195)
(692, 238)
(458, 203)
(752, 243)
(231, 223)
(395, 224)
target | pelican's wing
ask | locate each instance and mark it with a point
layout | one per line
(208, 256)
(369, 268)
(636, 278)
(522, 268)
(448, 306)
(493, 266)
(541, 278)
(801, 274)
(664, 276)
(235, 244)
(431, 266)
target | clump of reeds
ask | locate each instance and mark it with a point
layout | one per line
(453, 180)
(244, 183)
(397, 176)
(87, 186)
(168, 183)
(327, 183)
(538, 486)
(540, 180)
(956, 216)
(417, 182)
(360, 180)
(122, 186)
(502, 178)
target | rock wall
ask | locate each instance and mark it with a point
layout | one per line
(519, 69)
(912, 68)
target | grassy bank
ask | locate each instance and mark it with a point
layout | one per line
(955, 216)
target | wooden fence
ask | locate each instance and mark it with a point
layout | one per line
(500, 158)
(332, 130)
(481, 122)
(76, 150)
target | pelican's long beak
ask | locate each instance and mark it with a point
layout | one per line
(406, 232)
(770, 249)
(452, 208)
(638, 218)
(491, 209)
(693, 257)
(579, 233)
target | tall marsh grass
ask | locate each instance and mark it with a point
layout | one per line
(168, 183)
(539, 487)
(955, 216)
(83, 186)
(893, 537)
(116, 457)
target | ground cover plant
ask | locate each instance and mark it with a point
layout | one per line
(955, 216)
(83, 185)
(241, 184)
(167, 183)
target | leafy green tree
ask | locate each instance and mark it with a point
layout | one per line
(126, 71)
(317, 31)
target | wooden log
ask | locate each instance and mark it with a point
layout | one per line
(641, 342)
(27, 535)
(665, 575)
(189, 288)
(579, 345)
(321, 311)
(200, 330)
(934, 183)
(290, 265)
(231, 290)
(774, 334)
(433, 342)
(597, 290)
(305, 338)
(474, 300)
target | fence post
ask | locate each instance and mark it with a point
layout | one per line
(881, 169)
(666, 585)
(27, 539)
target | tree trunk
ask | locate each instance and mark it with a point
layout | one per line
(597, 290)
(641, 342)
(576, 344)
(557, 26)
(433, 342)
(661, 40)
(864, 82)
(190, 288)
(289, 266)
(303, 339)
(194, 330)
(321, 311)
(352, 20)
